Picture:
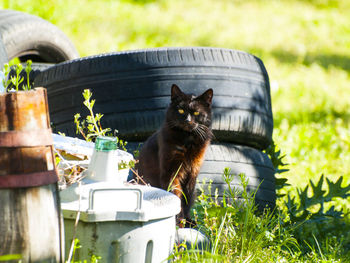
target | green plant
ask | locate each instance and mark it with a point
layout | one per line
(90, 128)
(77, 246)
(14, 76)
(174, 188)
(301, 230)
(6, 81)
(237, 232)
(28, 69)
(171, 186)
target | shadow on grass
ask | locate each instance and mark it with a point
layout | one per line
(323, 59)
(320, 224)
(321, 116)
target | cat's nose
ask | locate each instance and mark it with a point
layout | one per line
(188, 118)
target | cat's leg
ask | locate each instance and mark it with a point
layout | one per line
(176, 188)
(189, 192)
(172, 174)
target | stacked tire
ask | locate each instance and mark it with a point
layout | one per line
(132, 90)
(29, 37)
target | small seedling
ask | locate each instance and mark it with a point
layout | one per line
(14, 77)
(90, 128)
(28, 69)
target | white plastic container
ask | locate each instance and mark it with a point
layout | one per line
(128, 224)
(104, 162)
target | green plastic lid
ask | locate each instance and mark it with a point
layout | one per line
(105, 144)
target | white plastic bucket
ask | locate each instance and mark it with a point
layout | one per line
(128, 224)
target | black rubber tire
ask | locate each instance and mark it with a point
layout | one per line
(26, 37)
(255, 164)
(132, 90)
(37, 68)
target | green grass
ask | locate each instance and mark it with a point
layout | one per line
(301, 232)
(304, 44)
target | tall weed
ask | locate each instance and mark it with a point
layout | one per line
(307, 225)
(238, 232)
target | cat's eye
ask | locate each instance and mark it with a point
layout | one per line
(196, 113)
(181, 111)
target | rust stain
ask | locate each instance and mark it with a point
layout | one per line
(24, 111)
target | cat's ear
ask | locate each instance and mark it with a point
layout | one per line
(207, 96)
(175, 92)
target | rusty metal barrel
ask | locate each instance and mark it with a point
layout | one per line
(30, 217)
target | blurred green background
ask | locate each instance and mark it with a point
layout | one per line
(304, 44)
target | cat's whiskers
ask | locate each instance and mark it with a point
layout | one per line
(199, 133)
(172, 124)
(206, 131)
(202, 131)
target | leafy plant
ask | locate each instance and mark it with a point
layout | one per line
(28, 69)
(236, 231)
(307, 228)
(90, 128)
(15, 76)
(76, 247)
(6, 81)
(311, 212)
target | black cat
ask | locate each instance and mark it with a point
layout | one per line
(171, 158)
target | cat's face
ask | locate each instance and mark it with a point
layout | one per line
(188, 112)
